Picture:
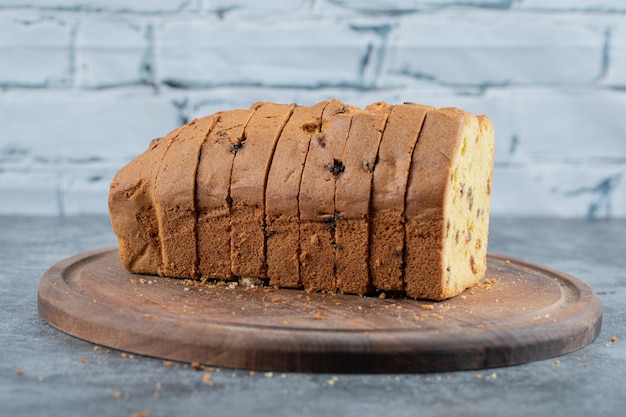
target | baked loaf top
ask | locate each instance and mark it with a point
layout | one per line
(326, 198)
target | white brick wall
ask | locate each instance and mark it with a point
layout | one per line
(85, 85)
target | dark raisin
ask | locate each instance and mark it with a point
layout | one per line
(336, 168)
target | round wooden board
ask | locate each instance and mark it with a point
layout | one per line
(522, 312)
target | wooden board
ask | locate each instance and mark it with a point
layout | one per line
(523, 312)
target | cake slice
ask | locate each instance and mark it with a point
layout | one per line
(281, 196)
(386, 261)
(247, 188)
(133, 212)
(213, 192)
(317, 198)
(352, 198)
(175, 199)
(447, 204)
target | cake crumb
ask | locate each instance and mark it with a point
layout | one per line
(382, 295)
(586, 365)
(206, 379)
(428, 307)
(318, 316)
(479, 376)
(268, 374)
(614, 339)
(480, 326)
(82, 360)
(19, 372)
(252, 373)
(168, 363)
(96, 347)
(117, 395)
(140, 414)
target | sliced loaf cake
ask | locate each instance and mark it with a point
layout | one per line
(175, 199)
(352, 198)
(389, 188)
(317, 198)
(247, 188)
(281, 197)
(213, 192)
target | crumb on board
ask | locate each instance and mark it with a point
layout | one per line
(168, 363)
(206, 379)
(19, 372)
(428, 307)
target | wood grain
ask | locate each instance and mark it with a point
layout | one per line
(523, 312)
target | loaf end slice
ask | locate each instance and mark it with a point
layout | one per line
(447, 204)
(133, 212)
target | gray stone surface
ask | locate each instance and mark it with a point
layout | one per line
(66, 376)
